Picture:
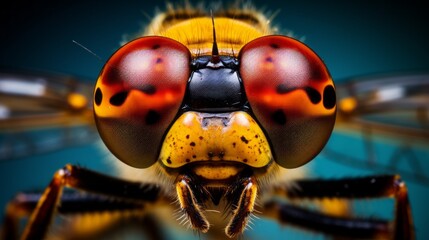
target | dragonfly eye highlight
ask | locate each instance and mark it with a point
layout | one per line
(137, 96)
(291, 94)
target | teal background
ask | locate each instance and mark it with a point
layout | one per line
(353, 38)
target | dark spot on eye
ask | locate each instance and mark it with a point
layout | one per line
(98, 97)
(274, 45)
(317, 73)
(243, 139)
(168, 160)
(269, 59)
(119, 98)
(148, 89)
(187, 136)
(111, 75)
(192, 144)
(159, 60)
(313, 94)
(194, 156)
(233, 144)
(201, 137)
(329, 98)
(279, 117)
(282, 89)
(156, 46)
(152, 117)
(245, 160)
(188, 160)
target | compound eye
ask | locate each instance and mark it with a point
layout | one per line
(291, 94)
(137, 96)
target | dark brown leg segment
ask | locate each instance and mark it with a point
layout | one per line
(71, 203)
(333, 225)
(190, 203)
(244, 209)
(86, 180)
(349, 188)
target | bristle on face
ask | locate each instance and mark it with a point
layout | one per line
(215, 51)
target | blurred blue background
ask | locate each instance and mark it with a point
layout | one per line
(353, 38)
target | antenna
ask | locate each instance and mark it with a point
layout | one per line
(86, 49)
(215, 50)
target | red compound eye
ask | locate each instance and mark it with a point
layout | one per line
(137, 96)
(291, 94)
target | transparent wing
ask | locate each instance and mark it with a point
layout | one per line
(42, 112)
(385, 119)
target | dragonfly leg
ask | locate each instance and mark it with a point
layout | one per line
(130, 195)
(347, 188)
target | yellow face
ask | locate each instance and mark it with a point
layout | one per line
(215, 141)
(259, 100)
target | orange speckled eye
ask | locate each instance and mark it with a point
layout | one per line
(291, 94)
(137, 96)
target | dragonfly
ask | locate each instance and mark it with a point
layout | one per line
(62, 107)
(43, 112)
